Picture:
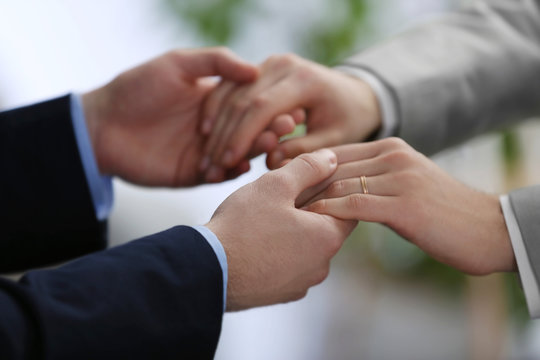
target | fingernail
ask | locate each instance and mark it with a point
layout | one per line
(228, 158)
(207, 126)
(204, 163)
(329, 154)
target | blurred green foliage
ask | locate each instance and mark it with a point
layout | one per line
(346, 24)
(217, 21)
(330, 43)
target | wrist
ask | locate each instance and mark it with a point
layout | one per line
(373, 109)
(368, 106)
(232, 303)
(378, 99)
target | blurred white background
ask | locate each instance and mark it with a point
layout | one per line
(49, 48)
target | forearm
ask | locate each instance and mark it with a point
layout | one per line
(467, 73)
(158, 297)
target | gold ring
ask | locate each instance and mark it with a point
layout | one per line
(363, 180)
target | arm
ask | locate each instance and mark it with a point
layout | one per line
(161, 296)
(455, 224)
(142, 126)
(158, 297)
(45, 199)
(470, 230)
(467, 73)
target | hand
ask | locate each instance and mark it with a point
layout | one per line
(144, 125)
(455, 224)
(340, 109)
(276, 252)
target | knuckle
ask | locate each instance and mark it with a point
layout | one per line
(283, 60)
(396, 143)
(311, 164)
(318, 206)
(336, 188)
(287, 59)
(410, 178)
(399, 157)
(305, 74)
(261, 101)
(355, 202)
(223, 51)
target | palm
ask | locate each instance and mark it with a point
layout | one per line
(151, 137)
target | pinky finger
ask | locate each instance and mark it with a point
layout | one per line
(357, 207)
(283, 125)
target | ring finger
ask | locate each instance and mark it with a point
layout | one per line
(380, 185)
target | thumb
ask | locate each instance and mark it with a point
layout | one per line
(219, 61)
(291, 148)
(307, 170)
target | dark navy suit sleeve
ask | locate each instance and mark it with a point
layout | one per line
(160, 297)
(155, 298)
(46, 209)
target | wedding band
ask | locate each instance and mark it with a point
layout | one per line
(363, 180)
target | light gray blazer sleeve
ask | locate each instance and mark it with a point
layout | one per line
(526, 206)
(469, 72)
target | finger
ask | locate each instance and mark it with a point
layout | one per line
(357, 207)
(214, 103)
(306, 171)
(382, 185)
(291, 148)
(368, 168)
(230, 116)
(325, 138)
(265, 143)
(225, 122)
(277, 100)
(299, 115)
(269, 139)
(283, 125)
(215, 62)
(366, 150)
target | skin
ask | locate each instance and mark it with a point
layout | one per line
(455, 224)
(338, 108)
(274, 264)
(145, 124)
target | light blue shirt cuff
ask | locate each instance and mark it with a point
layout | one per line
(100, 186)
(389, 114)
(221, 255)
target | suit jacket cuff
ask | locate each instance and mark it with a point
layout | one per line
(526, 272)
